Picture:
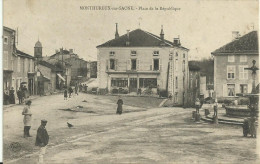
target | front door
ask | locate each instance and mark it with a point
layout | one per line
(133, 85)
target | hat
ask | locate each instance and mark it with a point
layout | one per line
(44, 121)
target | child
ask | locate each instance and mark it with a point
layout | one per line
(65, 94)
(197, 105)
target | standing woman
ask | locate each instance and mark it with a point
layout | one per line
(27, 118)
(11, 98)
(119, 106)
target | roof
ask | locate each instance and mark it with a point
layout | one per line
(245, 44)
(68, 59)
(38, 44)
(53, 61)
(65, 52)
(49, 65)
(9, 29)
(139, 38)
(22, 54)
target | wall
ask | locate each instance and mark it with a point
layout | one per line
(220, 74)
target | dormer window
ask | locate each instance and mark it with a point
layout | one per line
(155, 53)
(112, 53)
(133, 53)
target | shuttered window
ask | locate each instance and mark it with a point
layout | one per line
(243, 74)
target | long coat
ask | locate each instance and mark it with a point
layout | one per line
(42, 137)
(119, 106)
(11, 98)
(27, 116)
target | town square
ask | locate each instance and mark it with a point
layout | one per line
(96, 85)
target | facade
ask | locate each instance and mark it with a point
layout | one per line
(8, 57)
(230, 77)
(93, 69)
(143, 60)
(18, 66)
(206, 88)
(193, 91)
(79, 69)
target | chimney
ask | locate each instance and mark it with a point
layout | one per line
(71, 51)
(128, 38)
(116, 34)
(162, 33)
(176, 41)
(235, 35)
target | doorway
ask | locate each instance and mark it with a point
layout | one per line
(133, 85)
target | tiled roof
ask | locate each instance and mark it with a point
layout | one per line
(65, 52)
(193, 67)
(138, 38)
(22, 54)
(245, 44)
(49, 65)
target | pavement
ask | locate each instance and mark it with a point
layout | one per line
(139, 135)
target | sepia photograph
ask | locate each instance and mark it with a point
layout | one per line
(133, 82)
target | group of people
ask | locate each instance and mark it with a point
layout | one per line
(9, 97)
(83, 87)
(199, 103)
(42, 137)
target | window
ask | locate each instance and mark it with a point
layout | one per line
(231, 72)
(231, 89)
(196, 83)
(155, 53)
(5, 60)
(243, 58)
(243, 74)
(183, 55)
(119, 82)
(133, 53)
(176, 54)
(155, 64)
(176, 97)
(111, 53)
(191, 83)
(18, 64)
(243, 88)
(176, 82)
(5, 40)
(148, 82)
(176, 65)
(25, 65)
(112, 63)
(133, 64)
(183, 66)
(231, 58)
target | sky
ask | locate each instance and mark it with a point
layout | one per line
(203, 26)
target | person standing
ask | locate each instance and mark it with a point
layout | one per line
(76, 88)
(216, 107)
(11, 96)
(119, 106)
(42, 139)
(65, 94)
(20, 96)
(70, 91)
(27, 118)
(197, 105)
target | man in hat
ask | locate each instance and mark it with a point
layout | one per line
(42, 139)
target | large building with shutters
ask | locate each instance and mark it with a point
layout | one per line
(143, 60)
(230, 77)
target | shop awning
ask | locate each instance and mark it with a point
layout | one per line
(60, 77)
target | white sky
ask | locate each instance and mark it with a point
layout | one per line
(203, 26)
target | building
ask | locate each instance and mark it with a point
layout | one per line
(18, 66)
(52, 74)
(230, 61)
(93, 69)
(79, 67)
(206, 88)
(8, 57)
(143, 60)
(193, 91)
